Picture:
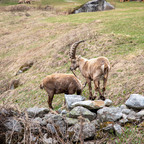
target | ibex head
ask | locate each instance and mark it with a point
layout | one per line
(73, 57)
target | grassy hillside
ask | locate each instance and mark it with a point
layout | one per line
(45, 38)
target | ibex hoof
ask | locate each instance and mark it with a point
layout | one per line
(102, 97)
(94, 98)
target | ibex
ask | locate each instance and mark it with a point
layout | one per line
(28, 1)
(93, 70)
(24, 1)
(60, 83)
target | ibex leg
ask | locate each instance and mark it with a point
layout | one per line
(50, 99)
(104, 86)
(90, 88)
(97, 87)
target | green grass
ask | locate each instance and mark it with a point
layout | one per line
(8, 2)
(124, 25)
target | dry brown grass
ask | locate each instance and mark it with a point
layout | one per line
(47, 43)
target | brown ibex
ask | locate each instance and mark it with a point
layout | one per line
(28, 1)
(60, 83)
(24, 1)
(93, 70)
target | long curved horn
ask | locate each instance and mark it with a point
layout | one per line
(73, 49)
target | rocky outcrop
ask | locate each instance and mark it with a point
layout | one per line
(94, 5)
(135, 101)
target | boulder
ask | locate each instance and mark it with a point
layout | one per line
(108, 102)
(118, 129)
(11, 130)
(124, 116)
(51, 129)
(123, 106)
(63, 112)
(132, 116)
(135, 101)
(70, 99)
(123, 121)
(88, 131)
(40, 121)
(126, 111)
(12, 124)
(89, 104)
(71, 121)
(57, 121)
(109, 114)
(108, 6)
(94, 5)
(140, 114)
(37, 112)
(49, 140)
(108, 128)
(81, 111)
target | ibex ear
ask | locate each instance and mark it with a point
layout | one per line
(79, 56)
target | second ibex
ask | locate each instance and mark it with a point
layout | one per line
(93, 70)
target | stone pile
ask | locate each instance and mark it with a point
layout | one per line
(82, 116)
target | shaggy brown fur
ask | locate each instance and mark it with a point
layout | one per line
(60, 83)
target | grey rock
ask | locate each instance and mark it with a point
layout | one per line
(51, 129)
(70, 99)
(57, 121)
(81, 111)
(63, 112)
(71, 121)
(49, 140)
(12, 124)
(89, 104)
(94, 5)
(126, 111)
(88, 131)
(140, 114)
(108, 6)
(108, 128)
(123, 106)
(132, 116)
(109, 114)
(40, 121)
(37, 112)
(35, 128)
(108, 102)
(118, 129)
(135, 101)
(123, 121)
(96, 123)
(124, 116)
